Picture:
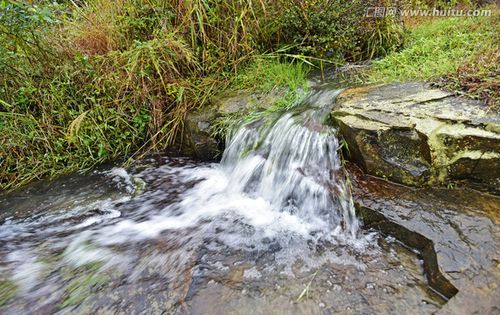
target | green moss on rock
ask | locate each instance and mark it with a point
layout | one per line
(416, 135)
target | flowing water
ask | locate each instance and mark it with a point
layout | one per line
(269, 229)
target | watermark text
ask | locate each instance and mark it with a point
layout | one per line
(381, 12)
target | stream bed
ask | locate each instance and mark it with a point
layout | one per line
(61, 253)
(271, 229)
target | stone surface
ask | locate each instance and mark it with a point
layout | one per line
(412, 134)
(245, 100)
(463, 226)
(199, 140)
(182, 271)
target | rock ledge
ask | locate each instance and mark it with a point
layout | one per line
(416, 135)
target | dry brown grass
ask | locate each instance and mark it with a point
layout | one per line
(478, 77)
(94, 31)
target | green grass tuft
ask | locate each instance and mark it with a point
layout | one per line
(264, 75)
(435, 49)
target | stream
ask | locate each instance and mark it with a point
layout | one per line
(271, 229)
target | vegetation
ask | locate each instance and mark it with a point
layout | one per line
(7, 291)
(461, 54)
(334, 30)
(83, 82)
(265, 75)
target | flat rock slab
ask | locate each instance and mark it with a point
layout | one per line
(416, 135)
(463, 225)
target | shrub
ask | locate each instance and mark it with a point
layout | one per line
(82, 82)
(87, 84)
(334, 30)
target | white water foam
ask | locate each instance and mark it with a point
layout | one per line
(280, 183)
(279, 190)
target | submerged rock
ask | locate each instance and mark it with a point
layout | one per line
(416, 135)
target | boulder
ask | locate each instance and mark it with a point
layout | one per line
(413, 134)
(455, 232)
(199, 135)
(199, 140)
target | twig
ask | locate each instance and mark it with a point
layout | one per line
(306, 289)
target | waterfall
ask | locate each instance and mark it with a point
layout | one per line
(279, 190)
(296, 168)
(278, 199)
(280, 178)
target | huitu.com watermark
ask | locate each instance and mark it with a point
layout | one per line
(380, 12)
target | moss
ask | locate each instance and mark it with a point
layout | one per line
(8, 290)
(139, 186)
(81, 288)
(89, 279)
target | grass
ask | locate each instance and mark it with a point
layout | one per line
(45, 133)
(264, 75)
(461, 54)
(268, 72)
(305, 292)
(84, 82)
(108, 80)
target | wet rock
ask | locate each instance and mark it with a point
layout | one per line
(245, 101)
(456, 232)
(412, 134)
(411, 238)
(200, 140)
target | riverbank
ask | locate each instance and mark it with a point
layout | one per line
(86, 84)
(460, 55)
